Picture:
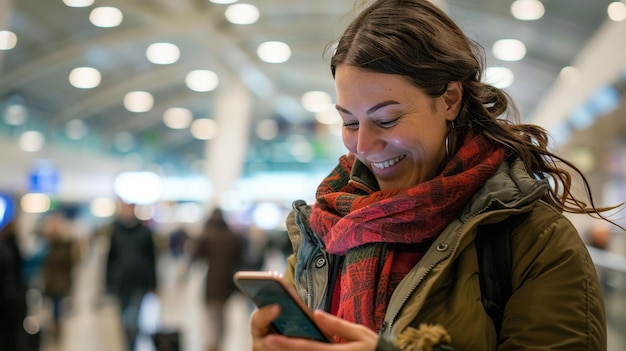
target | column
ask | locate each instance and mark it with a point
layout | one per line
(226, 153)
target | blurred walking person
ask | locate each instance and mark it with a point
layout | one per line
(130, 267)
(222, 249)
(58, 267)
(13, 307)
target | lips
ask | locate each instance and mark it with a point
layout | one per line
(388, 163)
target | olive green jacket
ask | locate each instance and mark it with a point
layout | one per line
(556, 303)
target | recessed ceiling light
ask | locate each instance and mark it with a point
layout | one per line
(617, 11)
(177, 117)
(242, 14)
(527, 10)
(204, 129)
(163, 53)
(274, 52)
(85, 77)
(328, 117)
(316, 101)
(78, 3)
(138, 101)
(106, 17)
(31, 141)
(499, 77)
(509, 50)
(202, 80)
(15, 114)
(8, 40)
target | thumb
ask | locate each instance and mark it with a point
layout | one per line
(261, 319)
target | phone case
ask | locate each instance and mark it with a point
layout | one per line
(267, 287)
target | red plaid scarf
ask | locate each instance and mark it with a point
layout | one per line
(356, 224)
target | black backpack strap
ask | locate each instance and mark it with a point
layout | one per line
(493, 247)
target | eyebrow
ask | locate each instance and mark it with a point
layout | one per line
(372, 109)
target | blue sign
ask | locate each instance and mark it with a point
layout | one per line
(44, 179)
(7, 209)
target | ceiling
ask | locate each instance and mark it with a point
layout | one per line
(53, 39)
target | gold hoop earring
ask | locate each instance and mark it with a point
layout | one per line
(448, 139)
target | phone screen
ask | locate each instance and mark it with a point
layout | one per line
(292, 321)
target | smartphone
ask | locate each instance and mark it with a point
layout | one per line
(266, 288)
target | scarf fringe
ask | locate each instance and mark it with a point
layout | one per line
(424, 338)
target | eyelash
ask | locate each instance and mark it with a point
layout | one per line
(382, 124)
(351, 125)
(388, 124)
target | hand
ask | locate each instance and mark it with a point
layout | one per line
(260, 326)
(356, 337)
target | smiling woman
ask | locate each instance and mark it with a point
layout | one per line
(434, 153)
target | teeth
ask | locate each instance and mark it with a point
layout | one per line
(389, 163)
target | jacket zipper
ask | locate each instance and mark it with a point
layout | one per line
(387, 327)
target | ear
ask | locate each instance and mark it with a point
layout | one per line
(452, 99)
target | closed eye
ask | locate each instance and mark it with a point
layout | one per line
(351, 125)
(382, 124)
(387, 124)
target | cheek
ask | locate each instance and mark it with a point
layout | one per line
(349, 139)
(423, 145)
(406, 139)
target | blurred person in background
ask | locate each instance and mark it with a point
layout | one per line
(222, 249)
(257, 243)
(599, 237)
(13, 308)
(179, 240)
(61, 257)
(130, 267)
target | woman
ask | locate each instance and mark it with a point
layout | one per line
(390, 248)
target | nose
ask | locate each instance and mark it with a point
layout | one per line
(368, 140)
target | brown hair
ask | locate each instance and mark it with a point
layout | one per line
(416, 39)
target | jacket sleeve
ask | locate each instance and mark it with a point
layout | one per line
(557, 302)
(387, 345)
(294, 237)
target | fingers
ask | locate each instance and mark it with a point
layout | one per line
(354, 336)
(277, 342)
(261, 319)
(344, 330)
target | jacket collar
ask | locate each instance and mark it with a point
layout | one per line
(510, 188)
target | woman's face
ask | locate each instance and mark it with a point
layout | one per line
(392, 126)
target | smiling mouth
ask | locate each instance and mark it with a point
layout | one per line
(388, 163)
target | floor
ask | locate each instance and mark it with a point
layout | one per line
(91, 322)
